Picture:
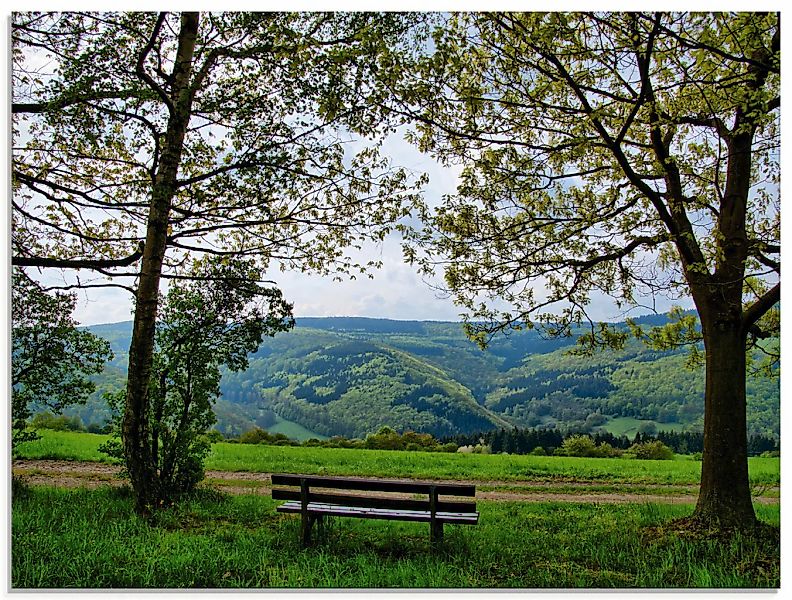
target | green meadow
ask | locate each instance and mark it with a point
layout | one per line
(93, 539)
(419, 465)
(80, 538)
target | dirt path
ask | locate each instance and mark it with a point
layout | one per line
(92, 475)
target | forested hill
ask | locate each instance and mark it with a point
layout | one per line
(351, 375)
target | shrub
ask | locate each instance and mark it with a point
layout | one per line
(605, 450)
(477, 449)
(254, 436)
(577, 445)
(204, 325)
(585, 447)
(385, 439)
(648, 428)
(538, 451)
(354, 443)
(214, 436)
(388, 439)
(595, 419)
(47, 420)
(114, 449)
(282, 442)
(655, 450)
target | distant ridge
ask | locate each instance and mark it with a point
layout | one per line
(353, 322)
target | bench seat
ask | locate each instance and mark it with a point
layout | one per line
(423, 516)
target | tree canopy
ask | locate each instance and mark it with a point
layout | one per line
(51, 358)
(599, 155)
(624, 154)
(269, 164)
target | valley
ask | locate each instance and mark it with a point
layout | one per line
(350, 376)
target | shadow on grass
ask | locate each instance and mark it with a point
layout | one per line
(388, 540)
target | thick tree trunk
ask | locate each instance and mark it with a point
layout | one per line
(141, 461)
(725, 495)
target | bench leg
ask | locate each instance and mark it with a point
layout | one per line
(320, 523)
(306, 524)
(436, 532)
(435, 526)
(305, 529)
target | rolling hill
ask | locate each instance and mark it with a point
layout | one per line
(349, 376)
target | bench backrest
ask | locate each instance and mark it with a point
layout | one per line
(433, 490)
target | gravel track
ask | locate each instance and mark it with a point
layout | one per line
(74, 474)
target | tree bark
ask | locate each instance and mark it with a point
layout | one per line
(136, 428)
(725, 495)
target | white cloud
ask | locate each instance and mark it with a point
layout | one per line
(396, 291)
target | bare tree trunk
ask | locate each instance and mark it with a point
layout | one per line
(725, 494)
(136, 429)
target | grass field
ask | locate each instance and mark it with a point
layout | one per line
(473, 467)
(79, 538)
(629, 426)
(419, 465)
(65, 445)
(293, 430)
(93, 539)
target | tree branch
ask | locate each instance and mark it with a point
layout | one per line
(77, 263)
(620, 253)
(61, 103)
(140, 67)
(755, 312)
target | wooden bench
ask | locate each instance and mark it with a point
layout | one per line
(315, 497)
